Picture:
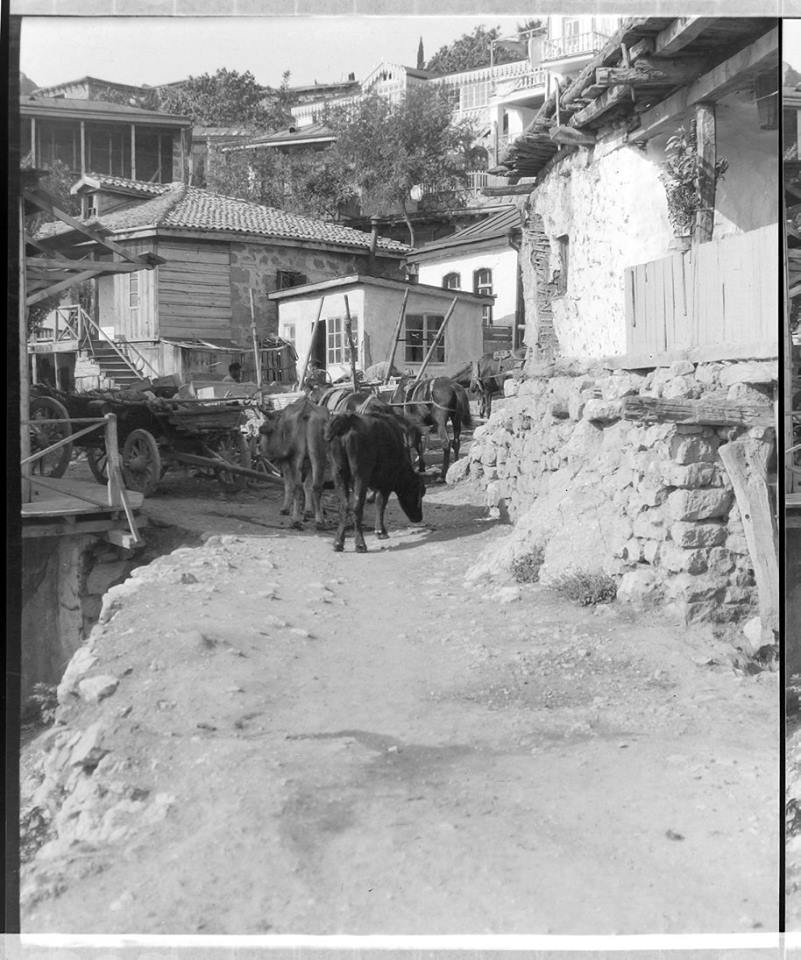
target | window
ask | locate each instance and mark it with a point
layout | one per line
(452, 281)
(421, 328)
(474, 95)
(482, 285)
(284, 279)
(337, 350)
(564, 263)
(133, 290)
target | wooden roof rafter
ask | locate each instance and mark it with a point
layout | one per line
(56, 271)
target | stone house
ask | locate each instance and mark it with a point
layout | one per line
(221, 256)
(482, 258)
(645, 447)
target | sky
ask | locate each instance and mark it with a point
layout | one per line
(143, 50)
(791, 43)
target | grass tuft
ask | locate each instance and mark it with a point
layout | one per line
(586, 589)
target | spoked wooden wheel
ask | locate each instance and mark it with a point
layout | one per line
(97, 459)
(44, 435)
(234, 448)
(141, 462)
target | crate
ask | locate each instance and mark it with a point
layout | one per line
(280, 400)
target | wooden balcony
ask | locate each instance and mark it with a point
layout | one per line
(717, 301)
(563, 48)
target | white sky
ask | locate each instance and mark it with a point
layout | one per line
(144, 50)
(791, 43)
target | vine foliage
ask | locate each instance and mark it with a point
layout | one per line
(679, 177)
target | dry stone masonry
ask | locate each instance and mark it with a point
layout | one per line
(647, 503)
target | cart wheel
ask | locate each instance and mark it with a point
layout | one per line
(235, 449)
(141, 462)
(98, 463)
(44, 435)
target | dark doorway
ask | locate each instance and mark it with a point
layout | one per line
(318, 351)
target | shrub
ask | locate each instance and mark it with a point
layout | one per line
(526, 569)
(586, 589)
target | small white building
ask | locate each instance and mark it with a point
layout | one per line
(375, 305)
(482, 258)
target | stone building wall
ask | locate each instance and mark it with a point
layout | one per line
(254, 267)
(649, 504)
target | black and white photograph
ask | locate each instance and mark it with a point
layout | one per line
(405, 441)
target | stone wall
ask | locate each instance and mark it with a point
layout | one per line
(254, 267)
(649, 504)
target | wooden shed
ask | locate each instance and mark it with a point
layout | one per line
(375, 306)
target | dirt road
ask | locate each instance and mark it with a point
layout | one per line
(309, 742)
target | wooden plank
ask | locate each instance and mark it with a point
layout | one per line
(722, 79)
(746, 462)
(706, 153)
(680, 33)
(696, 412)
(195, 253)
(612, 98)
(648, 71)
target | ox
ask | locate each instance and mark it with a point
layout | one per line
(369, 450)
(294, 439)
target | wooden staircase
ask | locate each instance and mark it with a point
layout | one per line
(115, 364)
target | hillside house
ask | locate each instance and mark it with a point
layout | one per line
(620, 280)
(483, 259)
(222, 257)
(113, 139)
(374, 305)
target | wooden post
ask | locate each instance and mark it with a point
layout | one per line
(351, 346)
(83, 149)
(133, 151)
(746, 462)
(315, 325)
(705, 135)
(435, 342)
(396, 336)
(24, 390)
(256, 353)
(113, 468)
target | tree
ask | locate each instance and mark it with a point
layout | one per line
(26, 85)
(387, 151)
(223, 99)
(470, 51)
(421, 60)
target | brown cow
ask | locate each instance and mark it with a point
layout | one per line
(369, 450)
(294, 439)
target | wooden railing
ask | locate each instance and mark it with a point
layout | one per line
(116, 491)
(67, 325)
(717, 301)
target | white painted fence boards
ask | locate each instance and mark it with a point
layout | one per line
(720, 294)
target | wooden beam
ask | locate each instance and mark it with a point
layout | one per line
(649, 70)
(569, 135)
(696, 412)
(713, 85)
(681, 32)
(35, 298)
(705, 150)
(641, 48)
(612, 98)
(609, 54)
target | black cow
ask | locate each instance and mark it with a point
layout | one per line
(369, 451)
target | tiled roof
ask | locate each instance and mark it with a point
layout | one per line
(103, 181)
(493, 228)
(181, 207)
(93, 108)
(314, 131)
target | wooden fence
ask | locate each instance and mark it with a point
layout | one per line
(717, 301)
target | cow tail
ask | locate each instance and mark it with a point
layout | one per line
(464, 409)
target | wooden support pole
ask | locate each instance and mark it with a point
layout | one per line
(396, 336)
(256, 354)
(435, 342)
(351, 346)
(113, 468)
(24, 388)
(705, 134)
(746, 462)
(306, 359)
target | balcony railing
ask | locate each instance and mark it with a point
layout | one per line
(562, 47)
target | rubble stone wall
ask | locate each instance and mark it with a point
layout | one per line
(647, 503)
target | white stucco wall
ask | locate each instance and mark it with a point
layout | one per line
(502, 262)
(381, 307)
(615, 215)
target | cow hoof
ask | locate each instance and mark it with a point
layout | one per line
(361, 548)
(382, 536)
(296, 525)
(338, 547)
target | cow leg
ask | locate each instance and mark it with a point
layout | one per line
(297, 510)
(359, 494)
(456, 423)
(442, 430)
(289, 489)
(380, 508)
(486, 404)
(317, 496)
(343, 498)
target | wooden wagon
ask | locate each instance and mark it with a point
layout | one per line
(156, 433)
